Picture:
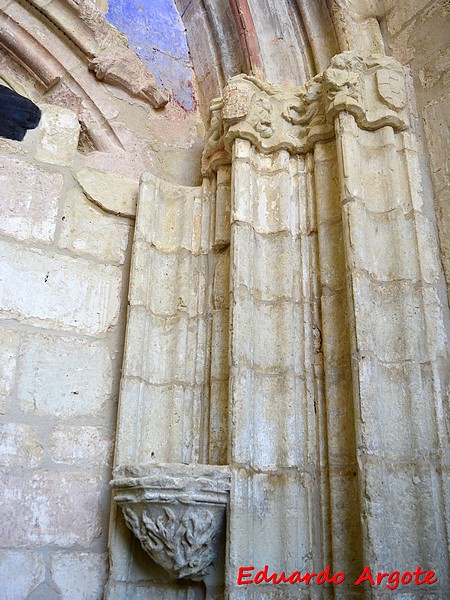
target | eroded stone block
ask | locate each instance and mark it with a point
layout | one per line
(79, 575)
(58, 135)
(9, 342)
(64, 377)
(87, 230)
(20, 573)
(19, 446)
(29, 199)
(113, 193)
(60, 291)
(87, 446)
(45, 503)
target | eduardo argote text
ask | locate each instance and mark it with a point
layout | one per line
(391, 581)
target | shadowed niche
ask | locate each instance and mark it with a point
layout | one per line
(17, 114)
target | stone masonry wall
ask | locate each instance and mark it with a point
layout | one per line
(63, 272)
(417, 34)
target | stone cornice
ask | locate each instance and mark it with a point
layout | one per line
(371, 88)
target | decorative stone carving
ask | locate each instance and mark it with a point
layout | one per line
(105, 48)
(177, 512)
(121, 67)
(179, 540)
(371, 88)
(391, 88)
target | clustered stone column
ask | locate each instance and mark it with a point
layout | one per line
(285, 326)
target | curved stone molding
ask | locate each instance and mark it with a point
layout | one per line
(105, 48)
(177, 512)
(371, 88)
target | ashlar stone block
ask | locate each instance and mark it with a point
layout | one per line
(19, 446)
(113, 193)
(20, 573)
(58, 291)
(45, 504)
(87, 446)
(87, 230)
(79, 575)
(29, 199)
(58, 135)
(64, 377)
(9, 343)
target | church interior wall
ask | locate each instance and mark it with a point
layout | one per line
(68, 197)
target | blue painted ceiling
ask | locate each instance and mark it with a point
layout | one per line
(156, 33)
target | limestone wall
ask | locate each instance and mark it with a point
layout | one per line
(67, 202)
(63, 285)
(65, 244)
(416, 32)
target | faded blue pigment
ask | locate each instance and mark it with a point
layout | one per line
(157, 35)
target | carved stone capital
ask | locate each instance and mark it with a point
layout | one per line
(177, 512)
(371, 88)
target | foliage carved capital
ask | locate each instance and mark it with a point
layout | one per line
(371, 88)
(178, 515)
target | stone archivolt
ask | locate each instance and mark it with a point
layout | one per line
(104, 46)
(78, 39)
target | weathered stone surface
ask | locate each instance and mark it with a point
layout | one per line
(399, 14)
(87, 230)
(64, 377)
(29, 199)
(113, 193)
(169, 418)
(177, 512)
(20, 573)
(58, 138)
(12, 147)
(79, 575)
(84, 446)
(44, 503)
(65, 293)
(9, 342)
(19, 446)
(180, 275)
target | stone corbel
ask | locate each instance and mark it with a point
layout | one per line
(177, 512)
(371, 88)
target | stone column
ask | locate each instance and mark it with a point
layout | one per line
(398, 350)
(286, 331)
(274, 516)
(171, 499)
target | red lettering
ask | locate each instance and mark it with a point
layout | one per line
(429, 577)
(324, 576)
(417, 573)
(366, 575)
(338, 578)
(393, 580)
(308, 577)
(380, 577)
(264, 577)
(295, 577)
(406, 574)
(259, 578)
(242, 574)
